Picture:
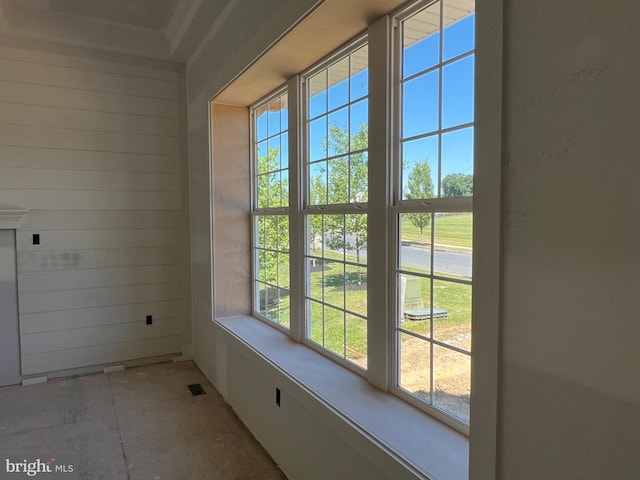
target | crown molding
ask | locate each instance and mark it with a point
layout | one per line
(10, 218)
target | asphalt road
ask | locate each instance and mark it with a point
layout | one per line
(456, 263)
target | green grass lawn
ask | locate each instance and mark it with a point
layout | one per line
(451, 229)
(343, 287)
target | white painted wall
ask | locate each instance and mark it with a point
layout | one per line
(569, 391)
(90, 144)
(570, 384)
(246, 33)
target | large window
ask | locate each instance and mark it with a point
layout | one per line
(335, 209)
(319, 197)
(433, 211)
(271, 212)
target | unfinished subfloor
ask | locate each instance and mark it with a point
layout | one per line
(142, 423)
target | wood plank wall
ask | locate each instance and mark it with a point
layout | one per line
(92, 148)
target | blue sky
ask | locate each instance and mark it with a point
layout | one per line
(420, 105)
(421, 97)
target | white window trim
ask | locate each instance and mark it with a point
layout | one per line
(305, 208)
(487, 238)
(255, 211)
(432, 205)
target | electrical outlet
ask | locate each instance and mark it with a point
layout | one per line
(277, 396)
(149, 319)
(36, 239)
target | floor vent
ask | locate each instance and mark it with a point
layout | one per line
(196, 389)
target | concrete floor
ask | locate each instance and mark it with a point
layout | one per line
(139, 424)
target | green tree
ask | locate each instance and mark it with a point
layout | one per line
(419, 186)
(273, 230)
(344, 181)
(272, 184)
(457, 185)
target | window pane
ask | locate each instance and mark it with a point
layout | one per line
(359, 84)
(359, 125)
(359, 177)
(356, 236)
(452, 314)
(315, 314)
(334, 330)
(261, 123)
(333, 283)
(356, 345)
(333, 237)
(420, 105)
(420, 168)
(457, 163)
(273, 154)
(262, 159)
(275, 190)
(415, 304)
(283, 270)
(318, 183)
(314, 235)
(339, 84)
(355, 285)
(457, 92)
(415, 242)
(269, 272)
(453, 240)
(263, 297)
(283, 233)
(284, 188)
(339, 180)
(414, 357)
(284, 308)
(452, 382)
(269, 239)
(273, 118)
(272, 267)
(315, 269)
(459, 32)
(338, 141)
(262, 187)
(273, 304)
(421, 40)
(318, 139)
(318, 94)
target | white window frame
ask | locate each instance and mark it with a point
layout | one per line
(432, 205)
(272, 211)
(306, 208)
(487, 203)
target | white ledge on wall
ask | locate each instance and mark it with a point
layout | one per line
(416, 439)
(10, 218)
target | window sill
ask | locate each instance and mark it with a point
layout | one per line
(415, 438)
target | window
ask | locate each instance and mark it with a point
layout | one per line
(335, 209)
(270, 210)
(427, 277)
(433, 209)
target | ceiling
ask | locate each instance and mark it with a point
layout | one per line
(161, 29)
(153, 14)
